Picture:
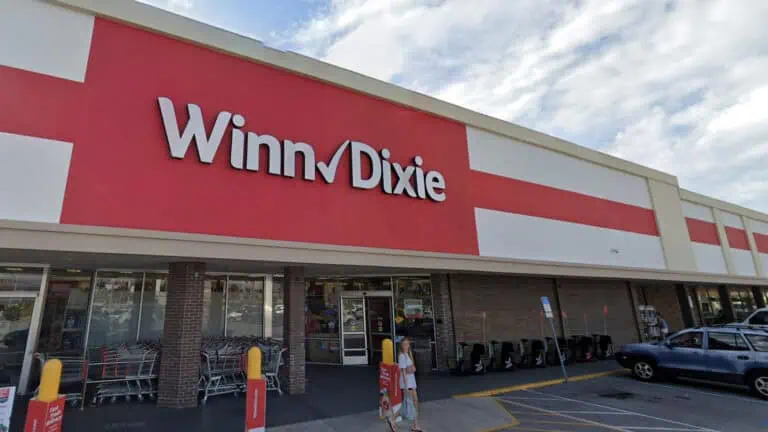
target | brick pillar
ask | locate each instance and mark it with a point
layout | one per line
(725, 302)
(295, 293)
(180, 362)
(446, 340)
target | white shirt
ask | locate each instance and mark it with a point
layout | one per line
(403, 362)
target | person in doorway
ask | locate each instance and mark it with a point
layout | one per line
(663, 327)
(408, 379)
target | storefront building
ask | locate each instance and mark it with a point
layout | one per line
(165, 180)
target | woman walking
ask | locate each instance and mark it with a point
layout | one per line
(408, 380)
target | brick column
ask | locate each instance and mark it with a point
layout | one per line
(180, 362)
(446, 340)
(295, 293)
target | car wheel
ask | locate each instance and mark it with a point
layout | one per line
(644, 370)
(759, 384)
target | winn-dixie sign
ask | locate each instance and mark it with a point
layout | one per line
(394, 179)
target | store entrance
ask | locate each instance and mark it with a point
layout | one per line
(367, 319)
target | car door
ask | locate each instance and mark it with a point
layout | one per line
(683, 354)
(726, 357)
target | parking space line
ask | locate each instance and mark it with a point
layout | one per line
(530, 398)
(644, 428)
(720, 395)
(555, 413)
(598, 412)
(696, 428)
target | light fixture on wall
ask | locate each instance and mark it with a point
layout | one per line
(73, 271)
(14, 269)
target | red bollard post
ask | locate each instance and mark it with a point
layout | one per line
(256, 400)
(45, 413)
(390, 394)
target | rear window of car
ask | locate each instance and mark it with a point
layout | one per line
(760, 342)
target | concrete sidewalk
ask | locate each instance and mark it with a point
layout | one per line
(460, 415)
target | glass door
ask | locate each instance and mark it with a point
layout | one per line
(379, 318)
(354, 343)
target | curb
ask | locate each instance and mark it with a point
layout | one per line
(537, 384)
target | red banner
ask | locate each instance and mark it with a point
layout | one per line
(256, 406)
(45, 416)
(390, 394)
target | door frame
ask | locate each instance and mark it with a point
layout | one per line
(34, 323)
(353, 360)
(363, 295)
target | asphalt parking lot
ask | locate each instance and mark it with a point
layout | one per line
(620, 403)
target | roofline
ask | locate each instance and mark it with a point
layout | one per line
(183, 28)
(722, 205)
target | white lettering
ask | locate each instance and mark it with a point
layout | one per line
(358, 149)
(246, 147)
(289, 159)
(435, 186)
(404, 180)
(273, 148)
(195, 129)
(329, 171)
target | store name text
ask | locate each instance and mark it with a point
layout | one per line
(394, 179)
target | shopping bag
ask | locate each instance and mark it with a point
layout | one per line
(409, 407)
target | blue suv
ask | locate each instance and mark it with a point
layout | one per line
(732, 354)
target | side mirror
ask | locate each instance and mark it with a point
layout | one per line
(668, 344)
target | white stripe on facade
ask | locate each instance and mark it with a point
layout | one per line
(33, 177)
(506, 157)
(507, 235)
(45, 38)
(758, 227)
(697, 211)
(709, 258)
(743, 263)
(731, 220)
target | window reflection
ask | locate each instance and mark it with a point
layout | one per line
(153, 306)
(245, 307)
(65, 314)
(742, 301)
(213, 305)
(278, 308)
(711, 307)
(115, 316)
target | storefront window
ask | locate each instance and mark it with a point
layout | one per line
(742, 301)
(153, 306)
(213, 305)
(278, 308)
(414, 317)
(245, 307)
(711, 307)
(115, 311)
(322, 321)
(20, 279)
(65, 314)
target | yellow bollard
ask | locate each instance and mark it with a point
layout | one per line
(50, 380)
(387, 352)
(254, 363)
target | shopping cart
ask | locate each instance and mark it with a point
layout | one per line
(125, 372)
(73, 374)
(222, 372)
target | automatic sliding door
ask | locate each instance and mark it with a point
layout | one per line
(354, 340)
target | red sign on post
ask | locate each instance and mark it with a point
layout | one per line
(256, 406)
(45, 416)
(390, 394)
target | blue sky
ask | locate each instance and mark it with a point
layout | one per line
(678, 85)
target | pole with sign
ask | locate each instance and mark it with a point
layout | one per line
(548, 314)
(390, 394)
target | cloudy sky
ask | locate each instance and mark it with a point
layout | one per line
(678, 85)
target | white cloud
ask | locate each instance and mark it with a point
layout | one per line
(675, 84)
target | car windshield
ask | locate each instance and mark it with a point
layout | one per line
(759, 342)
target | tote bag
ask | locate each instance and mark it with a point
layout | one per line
(409, 408)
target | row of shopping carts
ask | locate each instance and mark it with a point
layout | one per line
(474, 358)
(130, 372)
(224, 360)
